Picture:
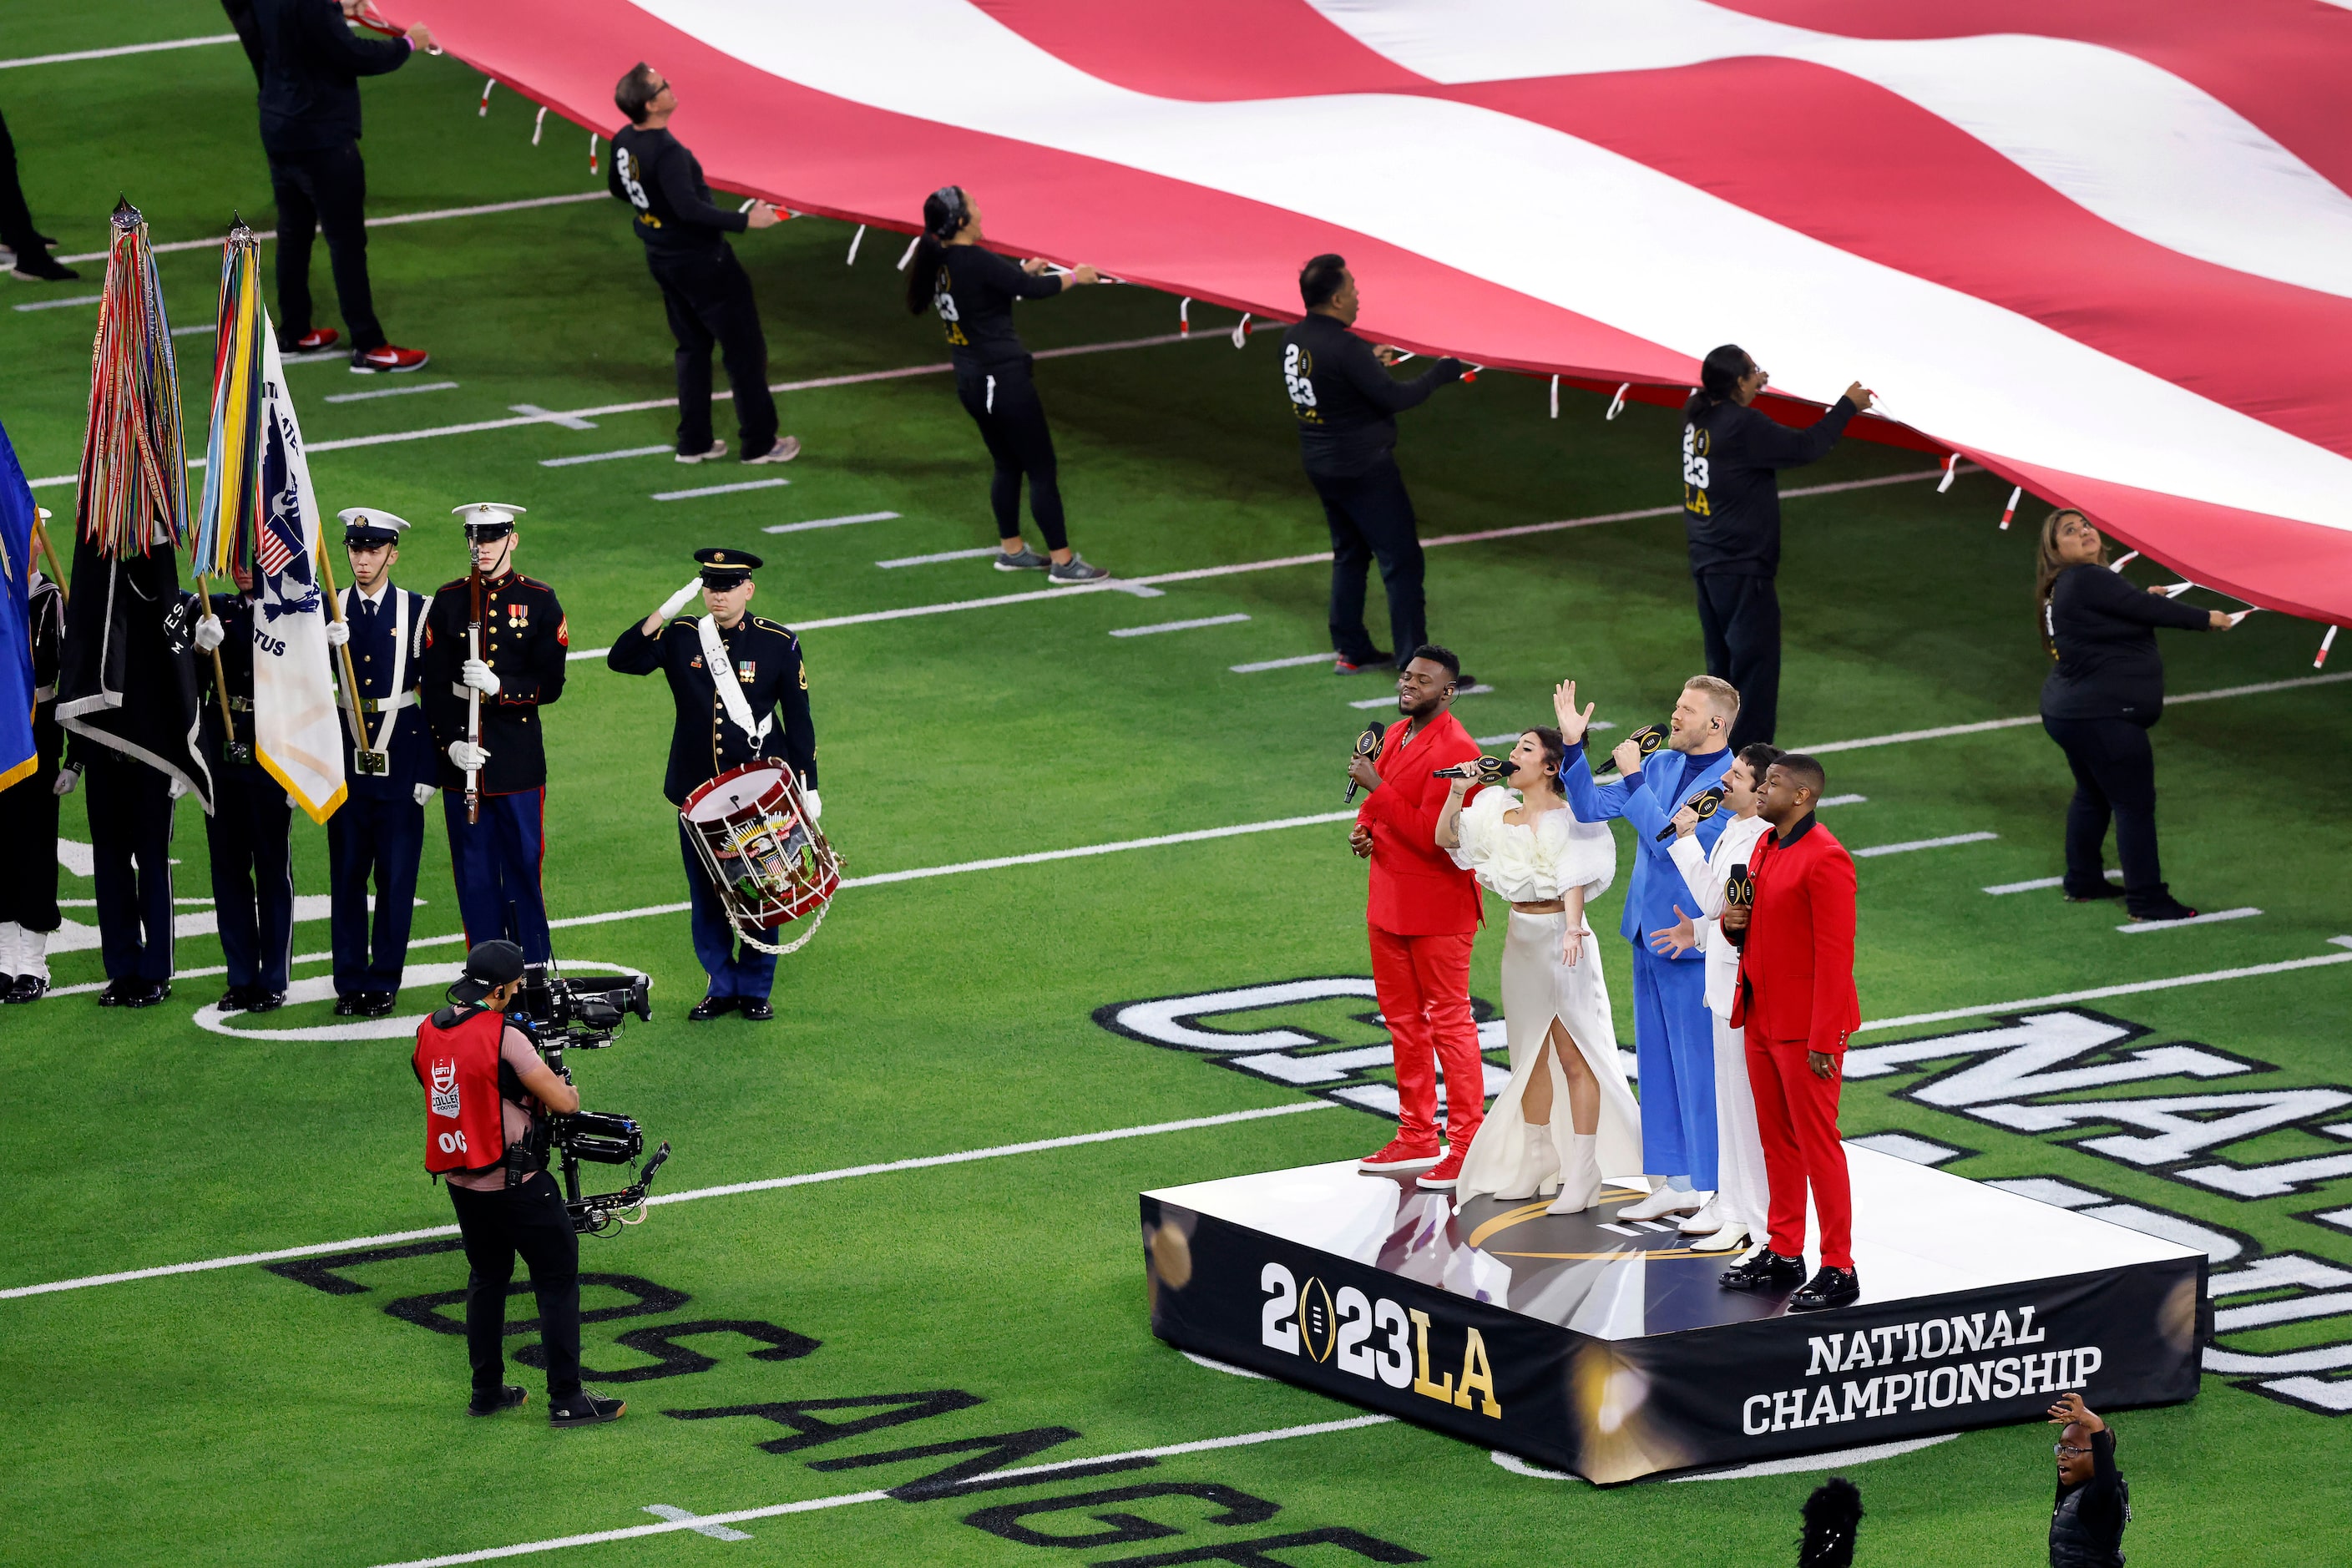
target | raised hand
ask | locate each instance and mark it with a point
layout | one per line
(1572, 724)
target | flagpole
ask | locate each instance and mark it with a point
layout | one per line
(49, 553)
(473, 695)
(351, 682)
(220, 680)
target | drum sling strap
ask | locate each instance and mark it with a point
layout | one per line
(730, 688)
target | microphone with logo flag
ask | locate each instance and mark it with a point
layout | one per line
(1368, 744)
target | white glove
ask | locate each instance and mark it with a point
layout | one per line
(179, 787)
(677, 602)
(480, 677)
(424, 794)
(816, 806)
(468, 756)
(338, 633)
(210, 633)
(63, 785)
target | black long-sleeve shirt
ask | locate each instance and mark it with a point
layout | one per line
(655, 174)
(2087, 1519)
(2103, 630)
(1731, 492)
(974, 295)
(1344, 399)
(311, 63)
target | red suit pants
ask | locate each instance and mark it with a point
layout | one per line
(1796, 1117)
(1423, 985)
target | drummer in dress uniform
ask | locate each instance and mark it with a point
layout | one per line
(496, 859)
(378, 834)
(721, 727)
(250, 831)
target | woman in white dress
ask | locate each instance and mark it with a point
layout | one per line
(1533, 853)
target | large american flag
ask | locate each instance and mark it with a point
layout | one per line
(2104, 247)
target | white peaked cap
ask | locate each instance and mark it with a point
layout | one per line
(371, 517)
(484, 513)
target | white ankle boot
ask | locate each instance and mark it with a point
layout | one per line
(1539, 1165)
(1664, 1202)
(1580, 1184)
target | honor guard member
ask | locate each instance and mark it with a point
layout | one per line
(28, 813)
(518, 670)
(378, 833)
(729, 672)
(250, 831)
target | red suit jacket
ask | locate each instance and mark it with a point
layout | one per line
(1796, 972)
(1416, 888)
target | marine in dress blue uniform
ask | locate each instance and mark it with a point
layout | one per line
(763, 658)
(377, 836)
(496, 859)
(250, 831)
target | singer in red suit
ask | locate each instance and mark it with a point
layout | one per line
(1796, 1001)
(1422, 911)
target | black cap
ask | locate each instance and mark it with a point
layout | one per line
(727, 568)
(488, 965)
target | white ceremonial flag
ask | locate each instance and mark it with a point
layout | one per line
(297, 732)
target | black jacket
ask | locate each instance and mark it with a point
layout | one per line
(524, 637)
(311, 63)
(973, 294)
(1345, 400)
(654, 173)
(235, 613)
(705, 743)
(1731, 496)
(2103, 631)
(2086, 1522)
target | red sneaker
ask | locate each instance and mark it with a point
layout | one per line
(317, 338)
(1400, 1157)
(388, 358)
(1448, 1171)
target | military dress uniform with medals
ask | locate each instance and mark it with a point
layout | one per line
(495, 861)
(250, 831)
(761, 663)
(28, 816)
(377, 836)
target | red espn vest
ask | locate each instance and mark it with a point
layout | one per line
(465, 1127)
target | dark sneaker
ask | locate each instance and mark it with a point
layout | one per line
(1023, 560)
(786, 448)
(369, 362)
(40, 266)
(1830, 1288)
(717, 449)
(1768, 1270)
(1376, 661)
(507, 1398)
(315, 339)
(1077, 569)
(2170, 909)
(586, 1409)
(757, 1009)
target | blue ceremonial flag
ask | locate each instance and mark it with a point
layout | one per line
(18, 757)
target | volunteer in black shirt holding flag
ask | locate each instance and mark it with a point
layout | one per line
(1732, 456)
(704, 288)
(2104, 691)
(973, 290)
(1346, 404)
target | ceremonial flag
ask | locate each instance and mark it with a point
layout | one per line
(298, 736)
(227, 515)
(19, 758)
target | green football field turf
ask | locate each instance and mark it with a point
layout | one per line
(308, 1414)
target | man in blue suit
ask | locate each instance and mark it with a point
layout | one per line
(1673, 1038)
(377, 834)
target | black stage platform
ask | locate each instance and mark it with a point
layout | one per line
(1605, 1347)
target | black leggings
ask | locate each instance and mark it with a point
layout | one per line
(529, 1219)
(2115, 778)
(1739, 620)
(1002, 401)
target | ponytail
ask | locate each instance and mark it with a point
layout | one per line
(1719, 378)
(945, 212)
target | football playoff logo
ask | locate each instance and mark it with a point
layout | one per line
(445, 1088)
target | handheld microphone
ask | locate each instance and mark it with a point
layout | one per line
(1703, 803)
(1738, 893)
(1649, 737)
(1485, 770)
(1368, 744)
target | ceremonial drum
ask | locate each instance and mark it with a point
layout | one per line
(766, 857)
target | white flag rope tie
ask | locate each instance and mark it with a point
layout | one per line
(1555, 397)
(1951, 468)
(538, 124)
(2009, 512)
(855, 241)
(1617, 403)
(1184, 317)
(592, 154)
(907, 259)
(1241, 331)
(2324, 644)
(483, 110)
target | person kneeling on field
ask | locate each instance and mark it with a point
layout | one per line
(2094, 1504)
(484, 1088)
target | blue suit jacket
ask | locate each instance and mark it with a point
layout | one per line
(1649, 803)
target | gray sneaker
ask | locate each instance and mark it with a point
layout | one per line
(717, 449)
(1023, 560)
(786, 448)
(1077, 569)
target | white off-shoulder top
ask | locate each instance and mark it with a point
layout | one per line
(1533, 863)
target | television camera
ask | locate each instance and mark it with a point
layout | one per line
(558, 1014)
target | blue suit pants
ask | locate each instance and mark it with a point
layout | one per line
(736, 968)
(378, 839)
(1674, 1040)
(495, 863)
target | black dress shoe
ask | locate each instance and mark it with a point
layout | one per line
(1768, 1270)
(146, 993)
(1830, 1288)
(712, 1007)
(347, 1004)
(235, 999)
(376, 1003)
(260, 1001)
(27, 988)
(509, 1397)
(116, 989)
(756, 1008)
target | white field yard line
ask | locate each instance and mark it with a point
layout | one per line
(1983, 725)
(2130, 988)
(389, 220)
(701, 1521)
(115, 52)
(918, 1162)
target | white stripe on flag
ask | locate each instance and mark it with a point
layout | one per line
(296, 731)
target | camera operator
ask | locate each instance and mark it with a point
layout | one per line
(484, 1085)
